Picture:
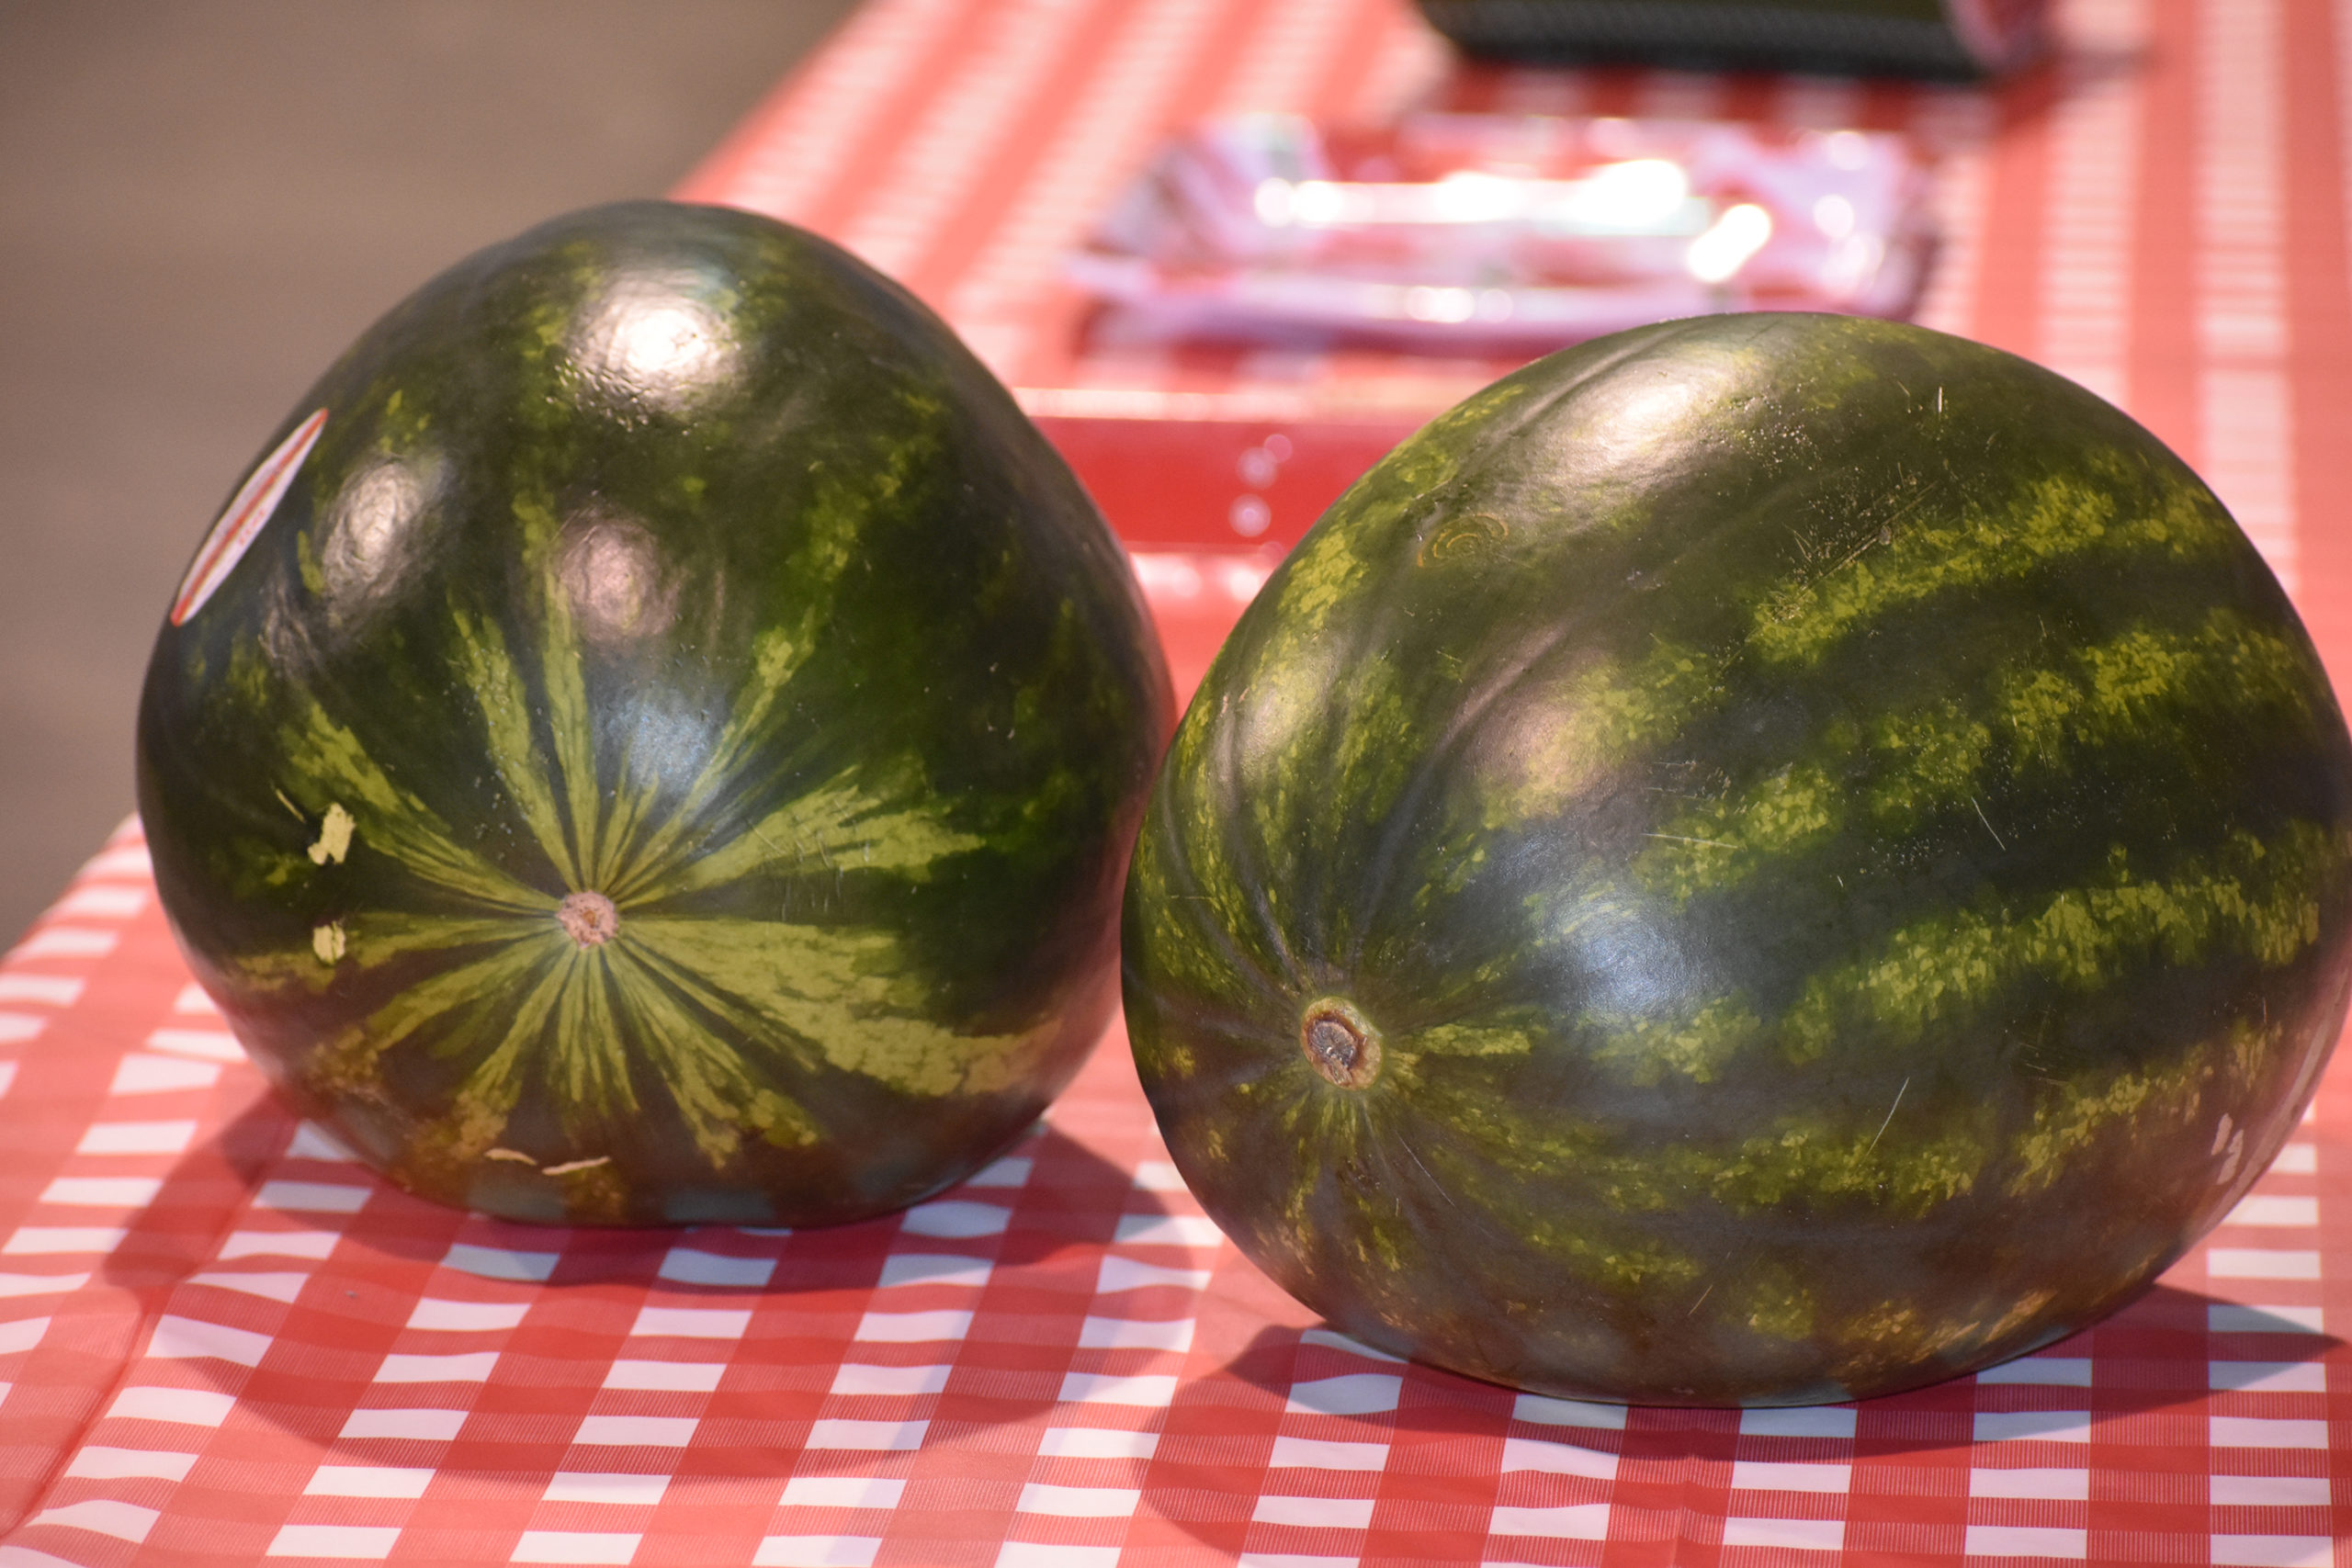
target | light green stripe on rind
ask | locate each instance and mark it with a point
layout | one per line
(445, 1011)
(1475, 1037)
(587, 1014)
(1567, 732)
(2134, 683)
(2251, 900)
(1547, 744)
(845, 994)
(488, 1096)
(505, 701)
(2058, 519)
(586, 1060)
(711, 1085)
(376, 939)
(2259, 900)
(777, 656)
(1913, 1159)
(1489, 1165)
(841, 824)
(1902, 768)
(834, 517)
(1506, 1164)
(1192, 935)
(1826, 1164)
(1730, 842)
(590, 1018)
(1210, 925)
(327, 765)
(614, 852)
(1649, 1051)
(1340, 1128)
(566, 695)
(716, 1091)
(2151, 1103)
(813, 995)
(1245, 878)
(1304, 765)
(653, 995)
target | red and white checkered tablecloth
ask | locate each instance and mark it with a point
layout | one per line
(221, 1341)
(227, 1342)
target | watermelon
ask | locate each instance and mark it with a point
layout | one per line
(1757, 860)
(656, 738)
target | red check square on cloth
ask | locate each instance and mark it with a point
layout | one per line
(222, 1341)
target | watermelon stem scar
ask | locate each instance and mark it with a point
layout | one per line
(1340, 1042)
(589, 919)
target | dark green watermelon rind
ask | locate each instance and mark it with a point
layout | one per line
(783, 629)
(1818, 812)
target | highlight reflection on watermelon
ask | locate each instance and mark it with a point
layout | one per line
(1763, 860)
(658, 740)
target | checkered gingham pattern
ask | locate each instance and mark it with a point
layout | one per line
(222, 1341)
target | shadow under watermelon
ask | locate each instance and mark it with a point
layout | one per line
(315, 1293)
(1305, 1407)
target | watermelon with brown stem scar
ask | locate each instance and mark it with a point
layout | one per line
(657, 737)
(1760, 860)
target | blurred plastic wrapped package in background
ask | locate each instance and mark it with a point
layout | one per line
(1503, 234)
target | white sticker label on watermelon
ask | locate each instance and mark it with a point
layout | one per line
(241, 522)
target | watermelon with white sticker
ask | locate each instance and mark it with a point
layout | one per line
(242, 518)
(656, 738)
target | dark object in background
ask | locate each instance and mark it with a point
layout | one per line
(1904, 37)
